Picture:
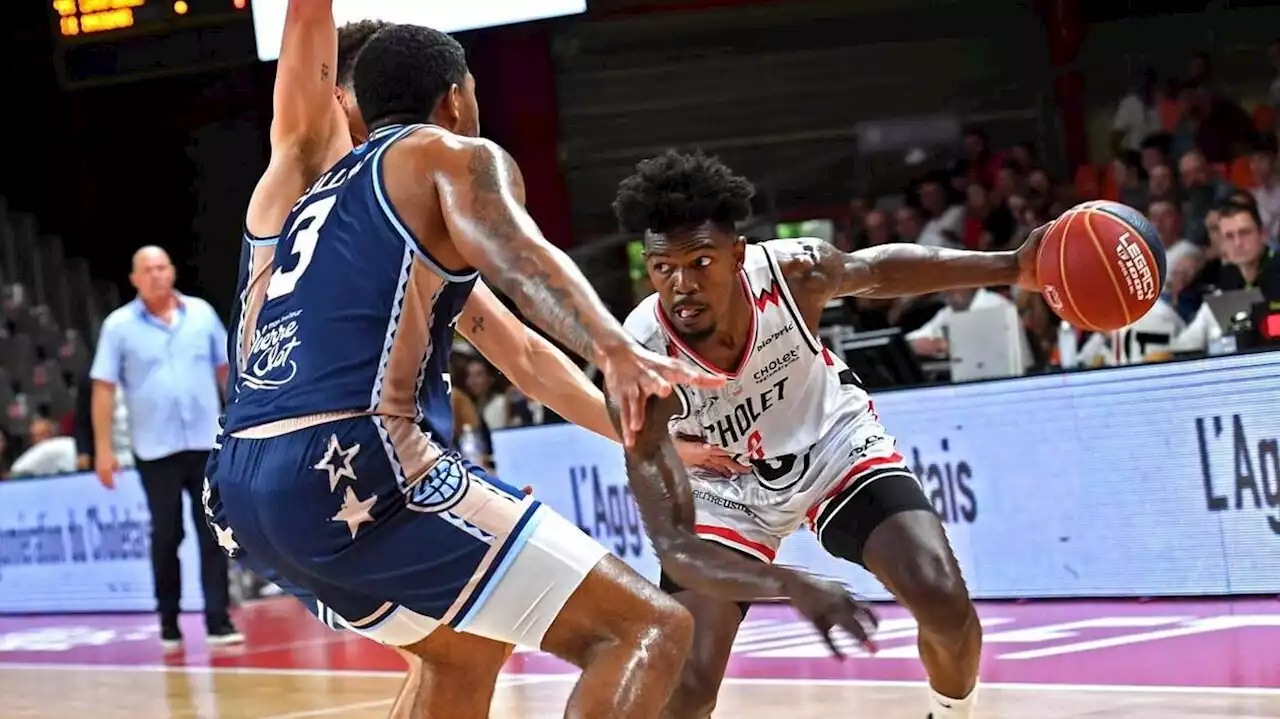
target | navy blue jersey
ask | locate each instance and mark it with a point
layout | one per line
(354, 315)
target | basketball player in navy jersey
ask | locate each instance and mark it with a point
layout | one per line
(800, 420)
(325, 473)
(463, 689)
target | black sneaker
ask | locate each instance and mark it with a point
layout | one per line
(170, 634)
(223, 632)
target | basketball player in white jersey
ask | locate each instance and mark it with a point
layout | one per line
(792, 410)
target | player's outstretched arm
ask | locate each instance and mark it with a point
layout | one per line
(306, 127)
(822, 272)
(480, 189)
(661, 488)
(305, 112)
(532, 363)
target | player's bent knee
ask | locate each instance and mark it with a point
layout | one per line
(614, 606)
(931, 585)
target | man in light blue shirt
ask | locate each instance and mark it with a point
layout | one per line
(167, 353)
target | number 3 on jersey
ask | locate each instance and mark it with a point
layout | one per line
(302, 238)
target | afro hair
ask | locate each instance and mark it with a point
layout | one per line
(676, 190)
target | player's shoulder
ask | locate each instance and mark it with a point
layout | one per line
(800, 261)
(642, 323)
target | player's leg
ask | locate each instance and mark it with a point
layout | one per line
(730, 524)
(461, 670)
(335, 507)
(883, 521)
(629, 638)
(715, 626)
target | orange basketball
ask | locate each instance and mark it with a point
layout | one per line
(1102, 266)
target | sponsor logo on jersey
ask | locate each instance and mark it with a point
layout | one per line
(737, 423)
(775, 336)
(776, 365)
(703, 495)
(269, 365)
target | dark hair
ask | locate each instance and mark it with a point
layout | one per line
(1230, 208)
(351, 38)
(404, 70)
(1157, 141)
(675, 190)
(1264, 145)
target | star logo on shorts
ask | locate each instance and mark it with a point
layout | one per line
(354, 511)
(337, 462)
(226, 540)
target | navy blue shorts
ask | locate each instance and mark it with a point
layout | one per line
(366, 518)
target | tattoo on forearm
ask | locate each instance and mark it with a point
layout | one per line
(477, 325)
(324, 71)
(540, 286)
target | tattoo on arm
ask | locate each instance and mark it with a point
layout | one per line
(543, 282)
(324, 71)
(477, 325)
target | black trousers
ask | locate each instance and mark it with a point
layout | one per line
(164, 480)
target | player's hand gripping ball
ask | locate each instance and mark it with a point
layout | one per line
(1100, 266)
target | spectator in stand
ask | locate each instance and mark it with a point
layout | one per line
(1273, 54)
(1008, 183)
(1210, 272)
(986, 226)
(944, 220)
(908, 223)
(1155, 151)
(1180, 291)
(980, 164)
(1248, 263)
(1225, 130)
(1266, 185)
(167, 352)
(1133, 187)
(875, 229)
(1137, 116)
(490, 399)
(1200, 69)
(1202, 191)
(1023, 157)
(1161, 184)
(48, 454)
(930, 340)
(1165, 217)
(1039, 185)
(859, 206)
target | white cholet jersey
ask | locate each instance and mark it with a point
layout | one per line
(787, 392)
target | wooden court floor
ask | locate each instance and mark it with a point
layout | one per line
(1051, 660)
(130, 694)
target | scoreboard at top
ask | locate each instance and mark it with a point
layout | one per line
(103, 41)
(87, 17)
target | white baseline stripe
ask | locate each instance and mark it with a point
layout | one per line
(516, 679)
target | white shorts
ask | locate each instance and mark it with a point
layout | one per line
(521, 606)
(753, 513)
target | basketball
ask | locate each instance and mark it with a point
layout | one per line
(1101, 265)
